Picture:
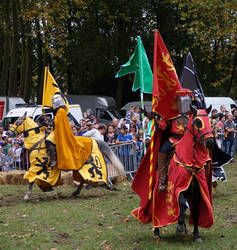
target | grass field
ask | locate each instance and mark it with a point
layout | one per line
(100, 219)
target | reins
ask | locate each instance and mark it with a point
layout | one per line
(34, 147)
(201, 139)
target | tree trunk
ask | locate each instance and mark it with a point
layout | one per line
(6, 48)
(23, 58)
(40, 68)
(233, 73)
(28, 71)
(12, 90)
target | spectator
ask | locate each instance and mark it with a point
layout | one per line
(1, 130)
(97, 134)
(1, 140)
(90, 116)
(214, 112)
(138, 120)
(115, 126)
(227, 112)
(9, 160)
(140, 134)
(123, 136)
(2, 159)
(7, 145)
(234, 112)
(123, 123)
(87, 125)
(222, 120)
(74, 131)
(17, 154)
(132, 130)
(138, 110)
(218, 131)
(110, 137)
(230, 129)
(130, 114)
(222, 110)
(135, 122)
(138, 145)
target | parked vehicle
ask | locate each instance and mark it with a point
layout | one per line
(216, 102)
(35, 111)
(104, 107)
(8, 103)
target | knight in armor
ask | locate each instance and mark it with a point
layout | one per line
(57, 103)
(176, 128)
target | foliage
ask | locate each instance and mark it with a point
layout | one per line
(85, 42)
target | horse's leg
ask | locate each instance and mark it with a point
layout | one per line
(196, 203)
(156, 235)
(181, 227)
(28, 193)
(79, 188)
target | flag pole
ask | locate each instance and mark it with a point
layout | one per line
(141, 89)
(152, 124)
(44, 88)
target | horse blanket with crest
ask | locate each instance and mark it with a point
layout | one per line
(78, 153)
(163, 207)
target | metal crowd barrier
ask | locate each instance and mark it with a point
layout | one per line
(126, 152)
(129, 157)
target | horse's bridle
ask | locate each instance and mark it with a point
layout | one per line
(26, 132)
(201, 139)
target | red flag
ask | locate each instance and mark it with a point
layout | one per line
(165, 81)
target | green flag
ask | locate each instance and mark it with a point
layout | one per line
(138, 64)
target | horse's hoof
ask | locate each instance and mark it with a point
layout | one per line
(74, 195)
(26, 198)
(181, 229)
(197, 239)
(111, 187)
(156, 235)
(156, 238)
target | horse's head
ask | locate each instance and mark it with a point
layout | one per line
(201, 126)
(21, 125)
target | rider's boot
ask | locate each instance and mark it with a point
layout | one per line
(162, 170)
(51, 151)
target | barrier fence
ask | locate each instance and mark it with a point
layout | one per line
(127, 153)
(129, 156)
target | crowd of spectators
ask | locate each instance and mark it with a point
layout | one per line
(224, 124)
(119, 131)
(126, 130)
(11, 152)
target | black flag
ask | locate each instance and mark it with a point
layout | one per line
(189, 80)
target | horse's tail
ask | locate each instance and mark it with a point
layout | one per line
(110, 155)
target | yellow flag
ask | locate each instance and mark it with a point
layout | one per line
(50, 89)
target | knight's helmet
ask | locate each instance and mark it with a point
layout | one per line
(184, 100)
(57, 101)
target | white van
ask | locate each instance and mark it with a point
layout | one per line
(8, 103)
(34, 111)
(216, 102)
